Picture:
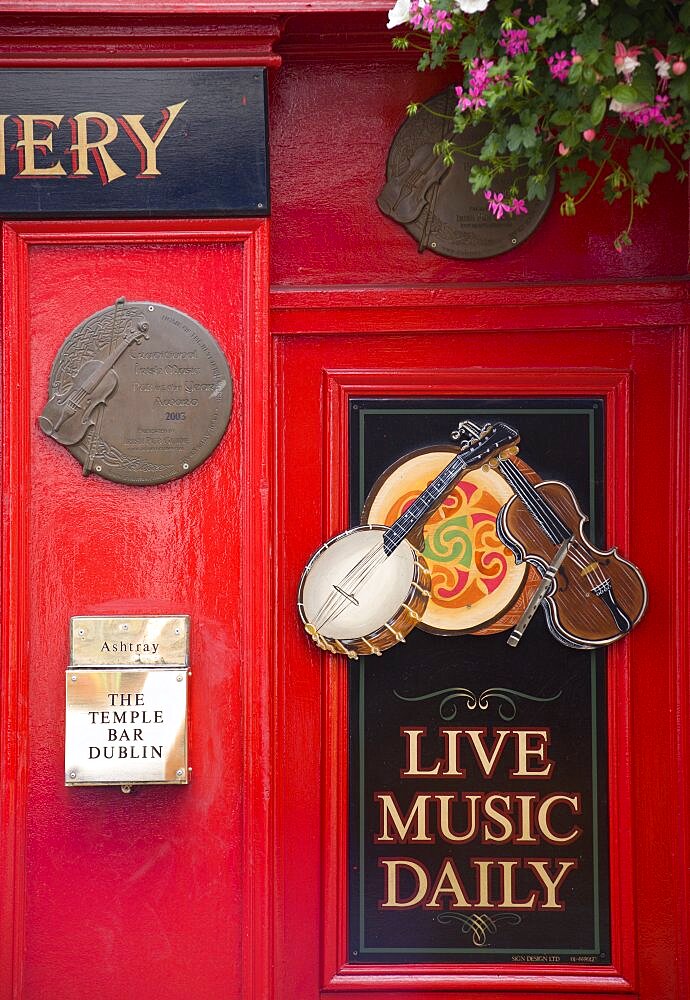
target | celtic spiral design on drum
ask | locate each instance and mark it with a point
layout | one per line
(479, 925)
(507, 706)
(469, 560)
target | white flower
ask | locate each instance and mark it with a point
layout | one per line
(630, 64)
(618, 106)
(399, 14)
(663, 69)
(471, 6)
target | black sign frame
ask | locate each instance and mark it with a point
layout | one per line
(397, 688)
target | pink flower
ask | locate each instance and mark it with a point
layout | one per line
(626, 61)
(589, 135)
(514, 41)
(563, 150)
(500, 207)
(479, 80)
(443, 21)
(559, 65)
(663, 68)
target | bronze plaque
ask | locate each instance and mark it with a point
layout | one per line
(126, 726)
(435, 203)
(139, 393)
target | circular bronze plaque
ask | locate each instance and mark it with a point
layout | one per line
(139, 393)
(436, 204)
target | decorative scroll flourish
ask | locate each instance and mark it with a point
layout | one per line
(479, 925)
(448, 708)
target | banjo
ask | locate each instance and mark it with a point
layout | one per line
(365, 589)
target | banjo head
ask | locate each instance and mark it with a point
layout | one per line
(476, 584)
(350, 589)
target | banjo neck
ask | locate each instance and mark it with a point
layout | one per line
(491, 439)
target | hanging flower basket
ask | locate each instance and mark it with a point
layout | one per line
(597, 90)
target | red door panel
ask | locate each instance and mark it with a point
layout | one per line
(636, 373)
(111, 890)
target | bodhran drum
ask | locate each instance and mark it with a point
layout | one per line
(476, 585)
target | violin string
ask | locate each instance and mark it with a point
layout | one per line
(526, 491)
(556, 526)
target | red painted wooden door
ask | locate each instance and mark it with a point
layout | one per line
(146, 894)
(491, 344)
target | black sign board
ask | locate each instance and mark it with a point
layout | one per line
(478, 796)
(133, 142)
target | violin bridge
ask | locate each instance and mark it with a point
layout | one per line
(589, 569)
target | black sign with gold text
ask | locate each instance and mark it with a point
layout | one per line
(133, 142)
(478, 791)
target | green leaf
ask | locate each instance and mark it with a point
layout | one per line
(468, 47)
(624, 93)
(598, 109)
(624, 24)
(645, 164)
(536, 187)
(573, 181)
(521, 137)
(684, 15)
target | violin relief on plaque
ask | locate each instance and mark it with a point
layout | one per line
(139, 393)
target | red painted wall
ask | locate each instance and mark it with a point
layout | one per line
(234, 886)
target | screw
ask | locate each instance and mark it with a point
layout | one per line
(513, 240)
(74, 677)
(179, 677)
(99, 468)
(260, 204)
(80, 631)
(150, 309)
(126, 789)
(185, 465)
(73, 774)
(433, 245)
(177, 631)
(180, 772)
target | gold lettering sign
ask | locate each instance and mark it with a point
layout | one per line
(97, 640)
(126, 726)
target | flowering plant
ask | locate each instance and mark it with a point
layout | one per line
(598, 90)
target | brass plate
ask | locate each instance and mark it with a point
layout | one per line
(139, 393)
(131, 639)
(436, 204)
(126, 726)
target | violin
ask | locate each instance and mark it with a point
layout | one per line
(403, 198)
(67, 416)
(594, 596)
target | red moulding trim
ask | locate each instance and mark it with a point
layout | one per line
(337, 974)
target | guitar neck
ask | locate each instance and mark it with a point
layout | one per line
(424, 504)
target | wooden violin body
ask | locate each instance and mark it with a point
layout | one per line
(596, 596)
